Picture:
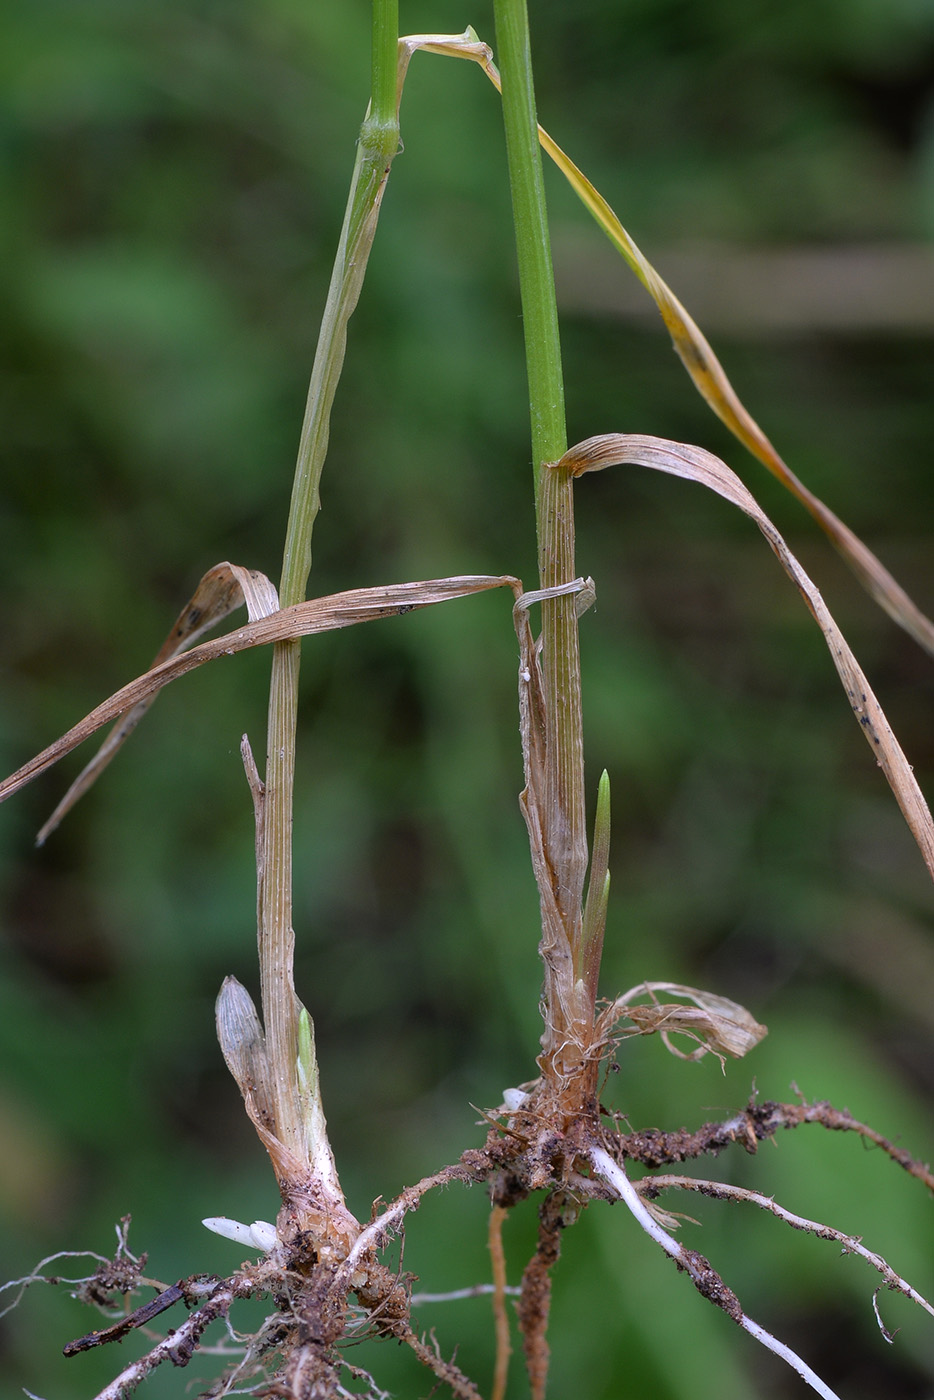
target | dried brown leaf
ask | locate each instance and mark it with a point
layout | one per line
(317, 615)
(556, 938)
(720, 1026)
(694, 464)
(222, 589)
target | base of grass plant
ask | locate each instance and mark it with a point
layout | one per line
(320, 1268)
(315, 1303)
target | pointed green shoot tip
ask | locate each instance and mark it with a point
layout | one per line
(603, 806)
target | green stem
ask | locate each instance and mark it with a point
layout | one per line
(533, 244)
(563, 807)
(384, 97)
(379, 140)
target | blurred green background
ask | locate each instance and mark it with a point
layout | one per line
(173, 179)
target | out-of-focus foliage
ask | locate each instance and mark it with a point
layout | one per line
(171, 186)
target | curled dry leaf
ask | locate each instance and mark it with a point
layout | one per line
(317, 615)
(694, 464)
(719, 1026)
(466, 45)
(222, 589)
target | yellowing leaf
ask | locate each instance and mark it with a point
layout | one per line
(698, 358)
(694, 464)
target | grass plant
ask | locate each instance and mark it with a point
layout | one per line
(327, 1277)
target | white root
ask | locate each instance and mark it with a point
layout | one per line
(849, 1243)
(615, 1177)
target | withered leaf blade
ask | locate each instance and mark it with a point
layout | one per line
(720, 1026)
(303, 619)
(222, 589)
(711, 381)
(695, 464)
(555, 946)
